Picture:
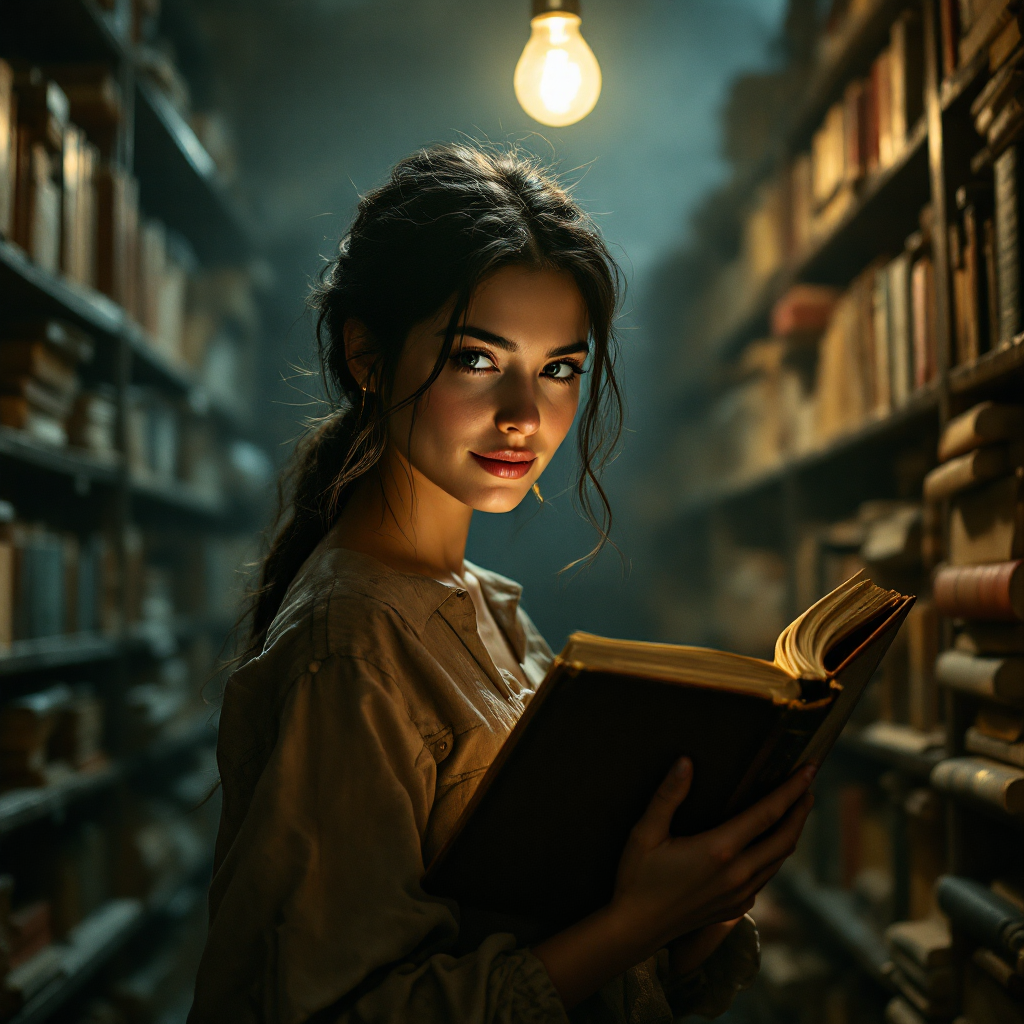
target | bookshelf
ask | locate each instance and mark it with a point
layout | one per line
(164, 526)
(753, 538)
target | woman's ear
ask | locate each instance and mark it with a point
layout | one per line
(359, 352)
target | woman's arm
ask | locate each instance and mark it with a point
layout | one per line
(669, 887)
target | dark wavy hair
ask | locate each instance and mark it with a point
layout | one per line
(446, 218)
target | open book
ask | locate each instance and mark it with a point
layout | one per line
(541, 838)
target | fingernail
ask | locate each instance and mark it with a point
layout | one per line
(810, 771)
(682, 768)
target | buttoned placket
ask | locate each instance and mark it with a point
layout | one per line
(463, 623)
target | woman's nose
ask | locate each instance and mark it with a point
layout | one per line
(517, 411)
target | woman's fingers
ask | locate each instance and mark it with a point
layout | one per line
(652, 828)
(780, 844)
(739, 832)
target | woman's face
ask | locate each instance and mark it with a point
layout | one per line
(489, 425)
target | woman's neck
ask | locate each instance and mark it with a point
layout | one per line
(398, 516)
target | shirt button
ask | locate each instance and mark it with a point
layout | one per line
(314, 667)
(442, 746)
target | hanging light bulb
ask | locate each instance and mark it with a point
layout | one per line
(557, 79)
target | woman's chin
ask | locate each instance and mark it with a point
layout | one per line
(499, 499)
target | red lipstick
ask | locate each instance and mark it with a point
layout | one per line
(508, 463)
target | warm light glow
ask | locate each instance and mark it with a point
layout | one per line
(558, 79)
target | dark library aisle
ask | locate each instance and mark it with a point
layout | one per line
(817, 206)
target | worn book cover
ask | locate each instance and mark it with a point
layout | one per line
(552, 814)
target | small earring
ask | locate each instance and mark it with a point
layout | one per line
(536, 490)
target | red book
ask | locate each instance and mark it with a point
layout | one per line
(994, 591)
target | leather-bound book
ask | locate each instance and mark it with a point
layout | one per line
(986, 917)
(552, 814)
(989, 782)
(927, 943)
(994, 591)
(972, 468)
(987, 524)
(996, 679)
(985, 423)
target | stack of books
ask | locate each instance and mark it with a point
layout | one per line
(39, 377)
(989, 922)
(982, 590)
(923, 970)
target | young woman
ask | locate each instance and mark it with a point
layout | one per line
(384, 672)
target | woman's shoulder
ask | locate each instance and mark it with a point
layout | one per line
(343, 602)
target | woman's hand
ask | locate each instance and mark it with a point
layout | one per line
(688, 952)
(667, 887)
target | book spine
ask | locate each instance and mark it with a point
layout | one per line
(8, 149)
(976, 742)
(987, 523)
(964, 471)
(883, 344)
(988, 234)
(950, 29)
(898, 84)
(922, 630)
(983, 30)
(899, 330)
(886, 148)
(998, 679)
(982, 914)
(996, 967)
(780, 754)
(1007, 238)
(993, 591)
(920, 317)
(1000, 786)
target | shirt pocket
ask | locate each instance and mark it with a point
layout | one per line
(440, 744)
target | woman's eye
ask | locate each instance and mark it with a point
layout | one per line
(561, 371)
(474, 361)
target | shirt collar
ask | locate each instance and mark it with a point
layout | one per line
(418, 597)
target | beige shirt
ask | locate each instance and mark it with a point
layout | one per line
(347, 750)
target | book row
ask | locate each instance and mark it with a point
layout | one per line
(167, 441)
(837, 360)
(76, 213)
(86, 871)
(55, 583)
(863, 134)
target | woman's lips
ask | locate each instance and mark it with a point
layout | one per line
(509, 463)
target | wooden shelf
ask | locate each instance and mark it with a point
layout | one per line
(25, 656)
(993, 368)
(18, 446)
(868, 228)
(180, 184)
(159, 640)
(922, 406)
(20, 807)
(177, 498)
(958, 87)
(863, 40)
(836, 913)
(918, 765)
(33, 291)
(90, 945)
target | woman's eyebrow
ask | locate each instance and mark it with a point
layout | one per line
(469, 331)
(481, 335)
(570, 349)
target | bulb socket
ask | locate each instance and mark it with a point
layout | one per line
(555, 6)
